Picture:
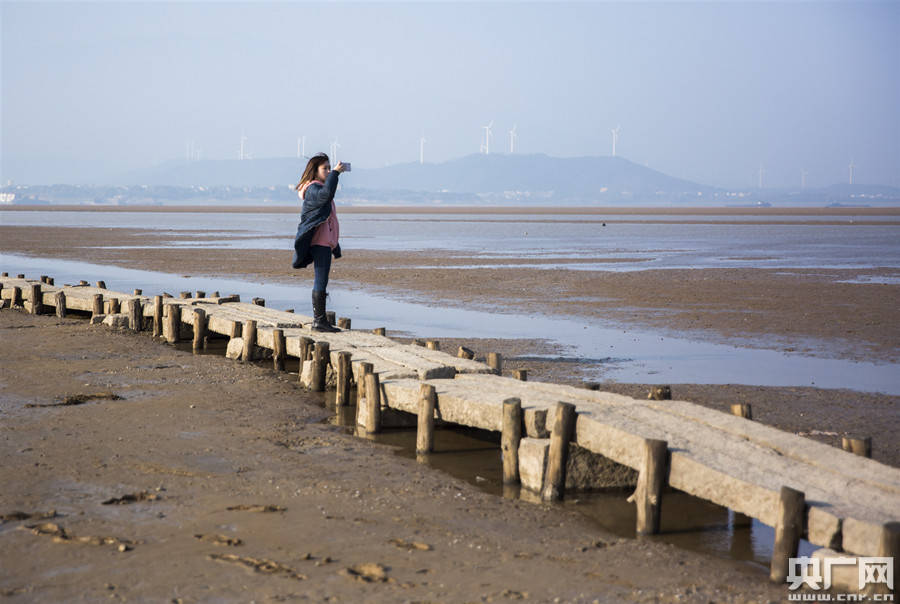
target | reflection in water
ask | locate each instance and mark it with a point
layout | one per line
(686, 521)
(626, 354)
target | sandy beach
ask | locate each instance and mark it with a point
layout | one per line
(198, 448)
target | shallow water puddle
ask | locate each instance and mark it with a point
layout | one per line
(688, 522)
(624, 354)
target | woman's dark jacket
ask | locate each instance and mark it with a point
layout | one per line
(316, 210)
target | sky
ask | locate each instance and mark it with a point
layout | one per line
(709, 92)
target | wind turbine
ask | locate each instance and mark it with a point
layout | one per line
(487, 138)
(615, 137)
(851, 171)
(761, 172)
(422, 142)
(512, 140)
(334, 147)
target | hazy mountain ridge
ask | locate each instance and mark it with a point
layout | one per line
(498, 179)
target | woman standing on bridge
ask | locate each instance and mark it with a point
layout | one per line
(317, 235)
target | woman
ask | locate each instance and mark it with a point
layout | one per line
(317, 235)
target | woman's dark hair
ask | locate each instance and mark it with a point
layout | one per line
(312, 168)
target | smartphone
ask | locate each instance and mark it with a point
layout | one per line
(346, 166)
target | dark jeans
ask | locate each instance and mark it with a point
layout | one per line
(322, 263)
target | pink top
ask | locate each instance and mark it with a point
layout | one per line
(328, 232)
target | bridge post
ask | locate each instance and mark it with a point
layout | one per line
(321, 356)
(651, 481)
(788, 529)
(37, 299)
(343, 375)
(373, 404)
(249, 336)
(563, 431)
(425, 419)
(278, 349)
(510, 438)
(857, 446)
(364, 369)
(60, 304)
(199, 330)
(157, 316)
(742, 410)
(495, 362)
(97, 305)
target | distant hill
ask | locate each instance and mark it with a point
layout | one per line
(522, 178)
(566, 177)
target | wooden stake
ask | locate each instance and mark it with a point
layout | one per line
(857, 446)
(5, 274)
(306, 346)
(465, 353)
(249, 335)
(135, 314)
(114, 306)
(425, 419)
(157, 316)
(344, 375)
(60, 298)
(171, 323)
(651, 480)
(237, 328)
(495, 362)
(510, 438)
(138, 292)
(380, 331)
(344, 323)
(432, 345)
(330, 317)
(521, 374)
(888, 547)
(259, 301)
(373, 404)
(97, 305)
(37, 299)
(16, 297)
(101, 284)
(563, 431)
(22, 276)
(364, 369)
(43, 279)
(321, 356)
(279, 351)
(51, 281)
(82, 282)
(199, 330)
(201, 293)
(742, 410)
(660, 393)
(788, 530)
(185, 295)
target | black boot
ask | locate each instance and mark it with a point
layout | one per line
(320, 321)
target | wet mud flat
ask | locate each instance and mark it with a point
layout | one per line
(846, 313)
(224, 483)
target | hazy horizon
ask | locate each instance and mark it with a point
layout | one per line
(704, 92)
